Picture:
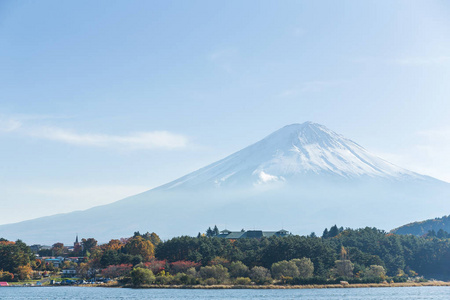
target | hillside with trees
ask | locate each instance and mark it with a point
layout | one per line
(423, 227)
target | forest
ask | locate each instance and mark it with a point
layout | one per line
(366, 255)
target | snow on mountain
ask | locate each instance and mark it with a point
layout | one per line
(294, 151)
(303, 177)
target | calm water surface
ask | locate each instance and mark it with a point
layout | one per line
(51, 293)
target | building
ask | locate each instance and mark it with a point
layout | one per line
(251, 234)
(69, 272)
(56, 262)
(36, 248)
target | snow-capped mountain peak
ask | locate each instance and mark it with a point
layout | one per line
(293, 152)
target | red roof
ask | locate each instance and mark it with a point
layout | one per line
(3, 283)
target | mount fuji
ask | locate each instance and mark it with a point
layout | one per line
(303, 177)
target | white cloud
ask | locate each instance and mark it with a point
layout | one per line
(137, 140)
(8, 125)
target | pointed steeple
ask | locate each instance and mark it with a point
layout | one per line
(76, 240)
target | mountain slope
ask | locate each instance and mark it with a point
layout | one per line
(297, 150)
(422, 227)
(302, 177)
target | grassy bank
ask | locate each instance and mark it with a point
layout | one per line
(311, 286)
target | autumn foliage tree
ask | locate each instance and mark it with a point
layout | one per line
(115, 271)
(24, 272)
(6, 276)
(113, 245)
(182, 266)
(155, 266)
(139, 246)
(152, 237)
(58, 249)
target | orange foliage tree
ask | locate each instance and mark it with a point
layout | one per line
(113, 245)
(139, 246)
(24, 272)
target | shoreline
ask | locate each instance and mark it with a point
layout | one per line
(257, 287)
(280, 287)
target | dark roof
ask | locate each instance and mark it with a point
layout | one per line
(251, 234)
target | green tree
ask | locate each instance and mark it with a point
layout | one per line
(215, 231)
(284, 268)
(344, 268)
(218, 272)
(442, 234)
(238, 269)
(88, 245)
(209, 232)
(14, 255)
(141, 276)
(374, 271)
(109, 257)
(305, 267)
(334, 231)
(260, 275)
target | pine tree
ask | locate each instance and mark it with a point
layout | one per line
(215, 231)
(334, 231)
(209, 232)
(325, 233)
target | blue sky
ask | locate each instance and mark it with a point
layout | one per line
(104, 99)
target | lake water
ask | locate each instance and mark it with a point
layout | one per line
(51, 293)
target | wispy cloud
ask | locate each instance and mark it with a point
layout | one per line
(311, 86)
(223, 58)
(8, 125)
(137, 140)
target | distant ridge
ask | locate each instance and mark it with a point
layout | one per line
(422, 227)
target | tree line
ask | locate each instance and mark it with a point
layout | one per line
(354, 255)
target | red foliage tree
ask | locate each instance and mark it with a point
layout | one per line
(115, 271)
(183, 265)
(155, 266)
